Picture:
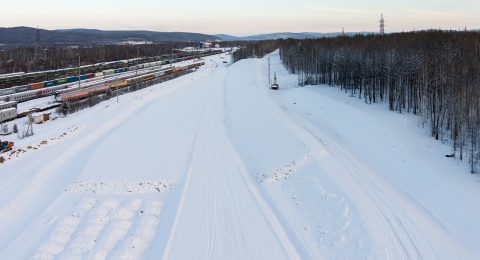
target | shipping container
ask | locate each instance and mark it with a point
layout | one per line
(8, 91)
(22, 88)
(72, 79)
(34, 86)
(90, 75)
(98, 74)
(119, 70)
(50, 83)
(61, 81)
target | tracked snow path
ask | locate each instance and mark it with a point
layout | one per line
(221, 214)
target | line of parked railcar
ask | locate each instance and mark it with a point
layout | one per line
(21, 78)
(8, 110)
(75, 94)
(23, 93)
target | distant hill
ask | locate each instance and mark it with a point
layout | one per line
(27, 36)
(282, 35)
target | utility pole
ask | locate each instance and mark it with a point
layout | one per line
(382, 25)
(38, 55)
(269, 70)
(171, 58)
(70, 56)
(116, 83)
(136, 68)
(78, 70)
(1, 119)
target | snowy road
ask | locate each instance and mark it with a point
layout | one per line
(221, 214)
(215, 165)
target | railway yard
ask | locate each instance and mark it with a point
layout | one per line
(18, 102)
(77, 87)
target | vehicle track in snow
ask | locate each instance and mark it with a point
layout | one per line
(41, 167)
(31, 171)
(388, 218)
(220, 213)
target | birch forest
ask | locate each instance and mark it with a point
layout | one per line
(433, 74)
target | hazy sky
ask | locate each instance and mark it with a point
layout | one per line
(242, 17)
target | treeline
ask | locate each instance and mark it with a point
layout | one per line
(254, 49)
(31, 59)
(433, 74)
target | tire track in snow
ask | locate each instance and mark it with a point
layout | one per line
(396, 228)
(32, 169)
(221, 214)
(40, 169)
(103, 229)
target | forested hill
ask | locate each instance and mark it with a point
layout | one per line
(27, 36)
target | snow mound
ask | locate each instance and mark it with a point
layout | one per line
(125, 187)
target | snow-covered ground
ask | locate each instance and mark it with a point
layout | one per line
(215, 165)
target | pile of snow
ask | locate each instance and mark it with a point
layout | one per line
(121, 187)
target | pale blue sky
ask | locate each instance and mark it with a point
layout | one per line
(242, 17)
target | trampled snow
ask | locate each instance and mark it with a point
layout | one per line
(216, 165)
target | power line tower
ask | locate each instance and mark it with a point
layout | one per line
(382, 25)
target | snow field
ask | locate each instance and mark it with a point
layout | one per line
(215, 165)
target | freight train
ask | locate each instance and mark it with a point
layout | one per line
(76, 94)
(45, 88)
(22, 79)
(8, 110)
